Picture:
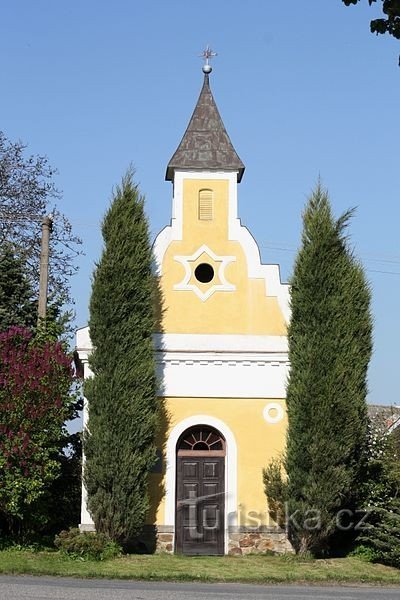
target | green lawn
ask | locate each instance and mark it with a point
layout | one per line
(251, 568)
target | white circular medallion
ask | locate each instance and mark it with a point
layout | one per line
(273, 412)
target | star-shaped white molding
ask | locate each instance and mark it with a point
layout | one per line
(201, 292)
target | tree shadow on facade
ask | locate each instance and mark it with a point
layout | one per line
(146, 542)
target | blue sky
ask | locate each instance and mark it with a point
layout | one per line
(303, 88)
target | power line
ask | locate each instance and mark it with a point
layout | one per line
(23, 217)
(287, 248)
(20, 217)
(385, 272)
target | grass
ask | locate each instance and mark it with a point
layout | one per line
(246, 569)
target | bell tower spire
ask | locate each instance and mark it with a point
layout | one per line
(205, 145)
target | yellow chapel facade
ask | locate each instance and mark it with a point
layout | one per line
(222, 357)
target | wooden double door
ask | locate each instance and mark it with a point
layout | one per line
(200, 503)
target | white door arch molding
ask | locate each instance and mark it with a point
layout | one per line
(230, 470)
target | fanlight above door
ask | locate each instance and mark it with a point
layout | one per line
(201, 439)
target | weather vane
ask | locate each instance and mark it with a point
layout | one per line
(207, 54)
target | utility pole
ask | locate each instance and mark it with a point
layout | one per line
(44, 268)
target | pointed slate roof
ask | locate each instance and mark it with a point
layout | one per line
(205, 145)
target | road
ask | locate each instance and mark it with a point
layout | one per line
(51, 588)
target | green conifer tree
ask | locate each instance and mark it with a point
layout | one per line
(17, 307)
(123, 406)
(330, 345)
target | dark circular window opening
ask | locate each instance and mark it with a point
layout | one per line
(204, 273)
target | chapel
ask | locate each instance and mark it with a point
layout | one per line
(222, 357)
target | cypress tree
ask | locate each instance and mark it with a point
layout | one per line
(330, 345)
(17, 307)
(123, 406)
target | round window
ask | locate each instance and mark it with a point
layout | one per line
(204, 273)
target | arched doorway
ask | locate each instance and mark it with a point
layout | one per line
(200, 491)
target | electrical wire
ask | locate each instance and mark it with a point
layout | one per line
(9, 216)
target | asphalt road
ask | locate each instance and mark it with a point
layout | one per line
(49, 588)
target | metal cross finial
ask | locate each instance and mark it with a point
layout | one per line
(207, 54)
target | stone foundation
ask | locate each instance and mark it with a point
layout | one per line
(165, 540)
(244, 540)
(241, 540)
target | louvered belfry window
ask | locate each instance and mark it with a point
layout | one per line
(206, 205)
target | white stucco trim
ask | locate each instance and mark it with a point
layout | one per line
(236, 232)
(174, 231)
(84, 348)
(83, 341)
(199, 342)
(272, 419)
(214, 366)
(202, 376)
(230, 469)
(270, 273)
(161, 243)
(87, 523)
(222, 366)
(223, 261)
(206, 342)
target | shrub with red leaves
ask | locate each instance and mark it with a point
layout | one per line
(35, 401)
